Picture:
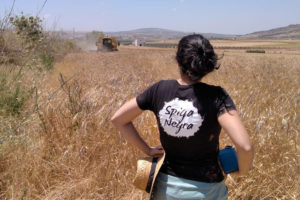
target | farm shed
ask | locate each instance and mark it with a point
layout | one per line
(139, 42)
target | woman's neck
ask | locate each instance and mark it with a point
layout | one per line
(185, 80)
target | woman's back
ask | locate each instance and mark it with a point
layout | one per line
(188, 125)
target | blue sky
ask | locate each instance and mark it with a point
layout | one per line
(204, 16)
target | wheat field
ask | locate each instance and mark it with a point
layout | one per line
(70, 150)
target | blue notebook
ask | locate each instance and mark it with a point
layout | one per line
(228, 160)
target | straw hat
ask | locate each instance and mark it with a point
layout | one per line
(147, 170)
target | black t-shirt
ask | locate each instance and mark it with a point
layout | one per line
(188, 125)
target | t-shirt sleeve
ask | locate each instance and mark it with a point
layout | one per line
(224, 103)
(146, 100)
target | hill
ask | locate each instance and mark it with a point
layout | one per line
(159, 33)
(287, 32)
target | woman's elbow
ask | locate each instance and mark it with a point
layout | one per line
(114, 120)
(248, 148)
(117, 121)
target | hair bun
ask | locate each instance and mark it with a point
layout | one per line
(196, 56)
(200, 51)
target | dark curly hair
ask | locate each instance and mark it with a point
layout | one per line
(196, 56)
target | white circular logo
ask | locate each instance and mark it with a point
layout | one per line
(180, 118)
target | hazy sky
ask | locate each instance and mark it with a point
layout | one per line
(205, 16)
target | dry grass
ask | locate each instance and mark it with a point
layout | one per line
(71, 151)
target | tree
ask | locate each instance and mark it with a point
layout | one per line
(29, 28)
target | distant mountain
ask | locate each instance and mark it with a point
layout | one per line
(287, 32)
(159, 33)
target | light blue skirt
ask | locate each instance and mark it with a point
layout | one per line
(169, 187)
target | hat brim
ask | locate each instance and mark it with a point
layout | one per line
(160, 162)
(147, 171)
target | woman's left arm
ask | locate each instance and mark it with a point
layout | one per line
(122, 119)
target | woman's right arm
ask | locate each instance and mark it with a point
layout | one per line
(233, 126)
(122, 119)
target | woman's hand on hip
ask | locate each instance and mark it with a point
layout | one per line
(156, 151)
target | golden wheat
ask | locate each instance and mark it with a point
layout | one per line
(71, 151)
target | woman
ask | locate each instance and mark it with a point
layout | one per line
(190, 115)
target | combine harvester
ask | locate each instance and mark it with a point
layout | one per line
(107, 44)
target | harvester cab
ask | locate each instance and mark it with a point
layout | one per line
(107, 44)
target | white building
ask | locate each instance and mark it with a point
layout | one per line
(139, 42)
